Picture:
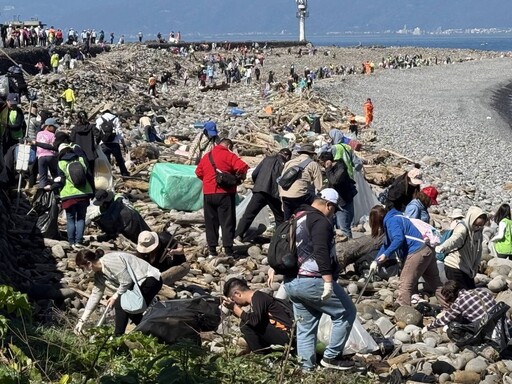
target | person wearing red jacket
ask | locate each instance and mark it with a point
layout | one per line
(219, 202)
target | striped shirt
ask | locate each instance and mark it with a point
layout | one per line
(115, 275)
(469, 306)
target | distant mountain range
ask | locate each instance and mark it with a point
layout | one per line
(206, 17)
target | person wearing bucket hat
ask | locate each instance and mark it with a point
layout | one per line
(308, 180)
(314, 290)
(401, 192)
(116, 218)
(161, 250)
(418, 207)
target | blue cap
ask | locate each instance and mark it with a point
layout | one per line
(210, 128)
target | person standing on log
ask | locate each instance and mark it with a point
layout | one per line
(265, 192)
(219, 198)
(111, 136)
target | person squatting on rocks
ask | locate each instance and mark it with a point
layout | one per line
(463, 249)
(268, 323)
(418, 257)
(112, 269)
(111, 136)
(314, 290)
(46, 153)
(418, 207)
(264, 192)
(219, 200)
(502, 241)
(161, 250)
(75, 184)
(465, 305)
(116, 218)
(308, 183)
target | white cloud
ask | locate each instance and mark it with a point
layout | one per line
(7, 8)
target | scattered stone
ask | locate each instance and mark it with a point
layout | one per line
(408, 315)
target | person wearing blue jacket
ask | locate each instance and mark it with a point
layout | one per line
(403, 240)
(418, 207)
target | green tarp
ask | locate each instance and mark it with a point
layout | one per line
(176, 186)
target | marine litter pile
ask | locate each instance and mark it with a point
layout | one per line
(260, 123)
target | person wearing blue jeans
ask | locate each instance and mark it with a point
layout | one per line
(75, 226)
(313, 290)
(338, 177)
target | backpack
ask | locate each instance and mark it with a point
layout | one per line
(430, 235)
(77, 173)
(107, 129)
(292, 174)
(282, 252)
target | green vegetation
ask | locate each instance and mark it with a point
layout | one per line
(31, 354)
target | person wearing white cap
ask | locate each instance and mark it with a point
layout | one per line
(161, 250)
(314, 290)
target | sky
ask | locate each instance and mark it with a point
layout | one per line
(203, 18)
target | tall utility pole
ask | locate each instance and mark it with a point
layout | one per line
(302, 13)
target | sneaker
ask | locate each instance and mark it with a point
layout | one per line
(238, 240)
(337, 363)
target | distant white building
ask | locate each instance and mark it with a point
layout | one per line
(417, 31)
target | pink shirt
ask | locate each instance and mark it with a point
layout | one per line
(46, 137)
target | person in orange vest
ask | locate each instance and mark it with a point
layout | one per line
(368, 112)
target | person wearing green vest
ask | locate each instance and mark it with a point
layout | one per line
(75, 184)
(15, 127)
(503, 239)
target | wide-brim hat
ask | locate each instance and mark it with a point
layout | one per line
(102, 196)
(307, 148)
(457, 214)
(415, 176)
(147, 242)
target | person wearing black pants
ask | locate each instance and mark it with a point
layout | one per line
(219, 211)
(149, 288)
(463, 280)
(115, 150)
(265, 191)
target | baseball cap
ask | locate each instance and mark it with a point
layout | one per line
(330, 195)
(51, 121)
(432, 193)
(13, 98)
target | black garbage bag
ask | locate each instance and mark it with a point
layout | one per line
(47, 210)
(492, 330)
(175, 320)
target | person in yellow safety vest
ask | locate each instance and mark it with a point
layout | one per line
(15, 122)
(68, 98)
(54, 62)
(75, 184)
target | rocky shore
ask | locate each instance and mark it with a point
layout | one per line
(439, 116)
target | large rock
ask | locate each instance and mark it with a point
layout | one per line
(496, 262)
(403, 336)
(478, 365)
(502, 270)
(409, 315)
(498, 284)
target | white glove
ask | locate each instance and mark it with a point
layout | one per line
(78, 327)
(57, 179)
(374, 266)
(327, 293)
(424, 330)
(438, 249)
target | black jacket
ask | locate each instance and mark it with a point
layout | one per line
(340, 180)
(121, 219)
(86, 137)
(266, 173)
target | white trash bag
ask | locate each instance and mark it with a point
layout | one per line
(359, 340)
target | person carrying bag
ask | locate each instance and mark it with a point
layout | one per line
(136, 281)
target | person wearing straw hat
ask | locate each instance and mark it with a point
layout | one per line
(116, 218)
(310, 180)
(161, 250)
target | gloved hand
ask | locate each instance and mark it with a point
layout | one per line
(438, 249)
(78, 327)
(327, 293)
(374, 266)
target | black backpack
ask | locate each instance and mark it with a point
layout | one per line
(282, 252)
(77, 173)
(292, 174)
(108, 132)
